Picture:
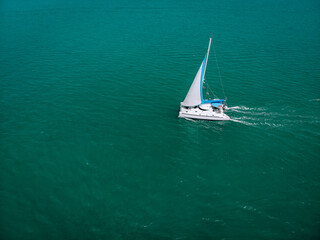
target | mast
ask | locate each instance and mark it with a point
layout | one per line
(205, 67)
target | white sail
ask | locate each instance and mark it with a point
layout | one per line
(194, 96)
(205, 67)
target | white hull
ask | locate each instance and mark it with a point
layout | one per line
(196, 113)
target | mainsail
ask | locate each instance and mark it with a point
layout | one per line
(194, 96)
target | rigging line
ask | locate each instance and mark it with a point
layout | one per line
(219, 71)
(208, 86)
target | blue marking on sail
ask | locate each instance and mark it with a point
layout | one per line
(201, 81)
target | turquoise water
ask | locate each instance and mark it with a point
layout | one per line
(91, 145)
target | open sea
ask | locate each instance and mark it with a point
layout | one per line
(91, 146)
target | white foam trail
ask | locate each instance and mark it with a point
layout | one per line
(241, 108)
(190, 119)
(243, 122)
(246, 108)
(236, 110)
(236, 107)
(262, 117)
(274, 125)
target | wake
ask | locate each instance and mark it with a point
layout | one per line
(250, 116)
(242, 122)
(265, 117)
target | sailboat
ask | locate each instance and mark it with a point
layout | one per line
(194, 106)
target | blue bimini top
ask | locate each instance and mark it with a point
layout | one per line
(214, 101)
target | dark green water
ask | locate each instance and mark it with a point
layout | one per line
(91, 145)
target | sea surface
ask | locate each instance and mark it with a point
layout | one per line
(91, 146)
